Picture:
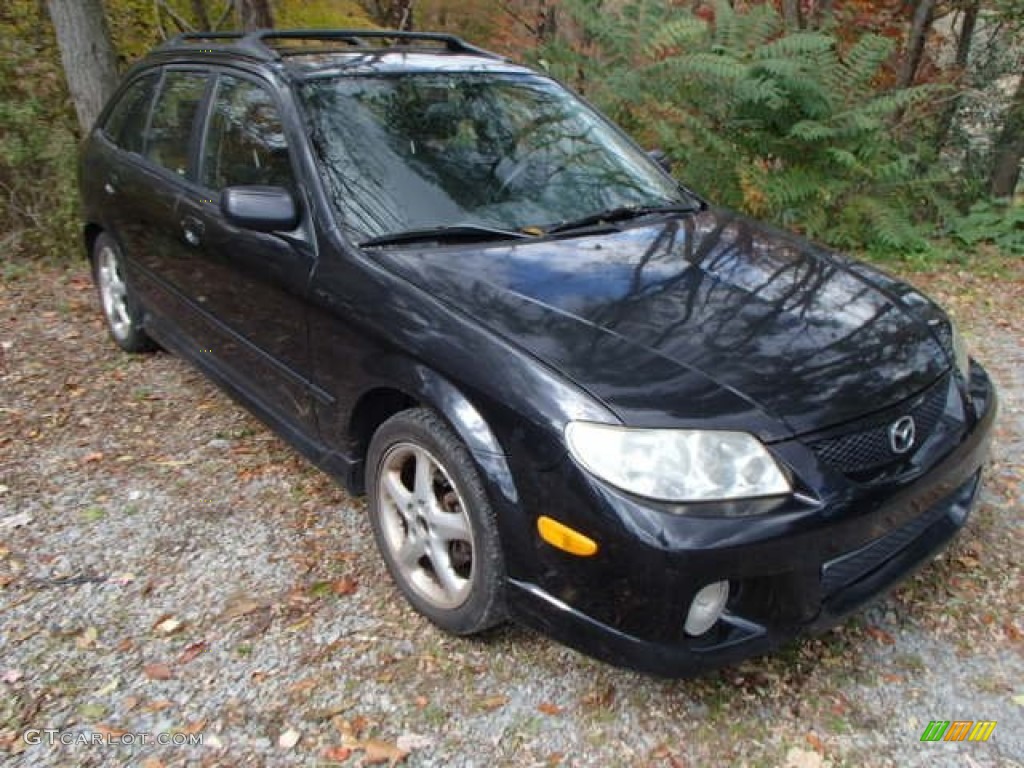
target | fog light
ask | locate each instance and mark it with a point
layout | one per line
(706, 608)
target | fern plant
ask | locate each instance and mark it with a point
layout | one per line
(787, 126)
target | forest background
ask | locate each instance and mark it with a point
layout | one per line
(890, 128)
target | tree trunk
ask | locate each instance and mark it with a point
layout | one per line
(791, 14)
(201, 16)
(1009, 148)
(963, 55)
(87, 54)
(254, 14)
(919, 27)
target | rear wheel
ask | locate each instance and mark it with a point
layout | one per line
(122, 312)
(434, 524)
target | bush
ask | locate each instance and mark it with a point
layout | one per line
(996, 222)
(787, 126)
(38, 155)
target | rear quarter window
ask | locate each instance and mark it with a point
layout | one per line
(126, 124)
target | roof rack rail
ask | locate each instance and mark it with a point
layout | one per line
(258, 43)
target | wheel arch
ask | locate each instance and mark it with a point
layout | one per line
(90, 233)
(412, 384)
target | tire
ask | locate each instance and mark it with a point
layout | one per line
(120, 307)
(433, 523)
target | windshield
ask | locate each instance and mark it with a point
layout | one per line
(512, 152)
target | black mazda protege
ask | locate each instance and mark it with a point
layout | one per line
(575, 393)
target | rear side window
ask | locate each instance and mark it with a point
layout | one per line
(245, 143)
(127, 121)
(173, 116)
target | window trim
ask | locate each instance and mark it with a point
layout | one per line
(218, 75)
(188, 68)
(151, 72)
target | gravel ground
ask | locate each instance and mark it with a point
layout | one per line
(171, 570)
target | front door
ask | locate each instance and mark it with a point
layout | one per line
(252, 285)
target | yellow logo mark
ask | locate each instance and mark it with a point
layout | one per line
(982, 730)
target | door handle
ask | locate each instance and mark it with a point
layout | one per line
(192, 230)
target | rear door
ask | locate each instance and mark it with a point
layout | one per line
(251, 285)
(117, 176)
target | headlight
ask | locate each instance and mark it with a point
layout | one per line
(677, 464)
(960, 356)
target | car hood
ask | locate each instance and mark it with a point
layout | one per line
(697, 320)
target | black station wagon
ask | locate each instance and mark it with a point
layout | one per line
(576, 394)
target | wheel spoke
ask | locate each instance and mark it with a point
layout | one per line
(423, 486)
(411, 551)
(450, 581)
(400, 496)
(448, 526)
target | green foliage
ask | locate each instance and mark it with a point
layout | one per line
(790, 127)
(991, 221)
(37, 144)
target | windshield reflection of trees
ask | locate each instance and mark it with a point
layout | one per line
(443, 150)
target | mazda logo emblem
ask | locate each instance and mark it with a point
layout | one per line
(901, 434)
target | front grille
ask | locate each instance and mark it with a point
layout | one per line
(866, 446)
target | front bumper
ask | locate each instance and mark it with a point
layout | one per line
(799, 566)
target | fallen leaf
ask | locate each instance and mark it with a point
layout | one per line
(409, 742)
(191, 651)
(87, 638)
(304, 686)
(168, 624)
(14, 521)
(157, 671)
(11, 676)
(803, 758)
(492, 703)
(191, 728)
(881, 635)
(337, 754)
(344, 586)
(151, 762)
(92, 458)
(600, 698)
(108, 730)
(288, 739)
(376, 752)
(106, 689)
(549, 709)
(812, 738)
(241, 605)
(157, 706)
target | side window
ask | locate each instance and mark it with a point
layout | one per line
(245, 143)
(171, 126)
(127, 120)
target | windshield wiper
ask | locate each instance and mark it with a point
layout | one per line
(620, 214)
(445, 234)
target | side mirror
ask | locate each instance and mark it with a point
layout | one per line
(662, 159)
(263, 209)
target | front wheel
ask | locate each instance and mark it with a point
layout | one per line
(121, 310)
(434, 524)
